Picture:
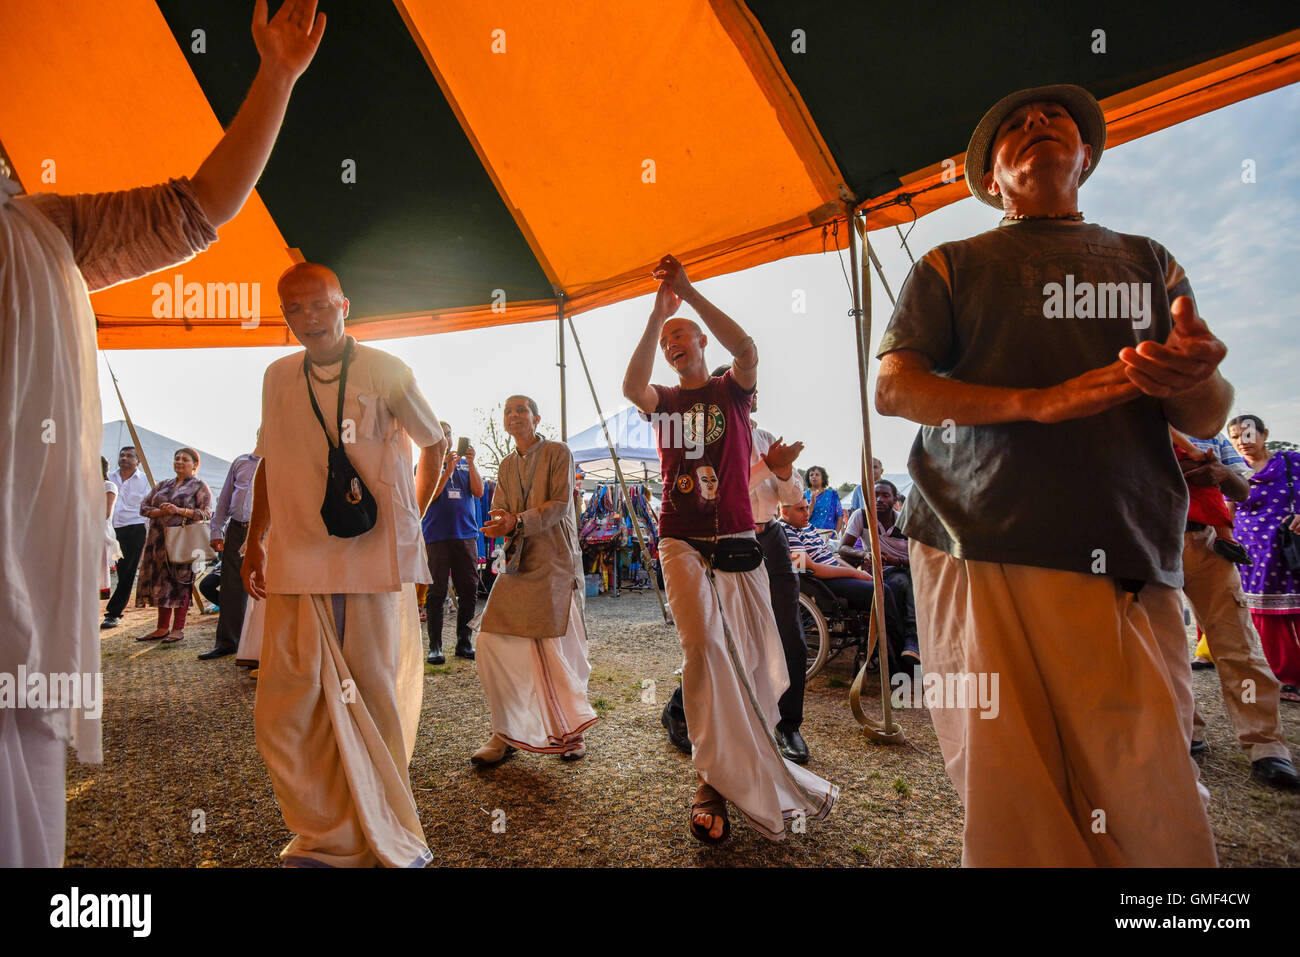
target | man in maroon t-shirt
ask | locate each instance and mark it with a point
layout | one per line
(734, 670)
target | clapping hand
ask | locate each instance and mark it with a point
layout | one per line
(666, 303)
(500, 523)
(780, 457)
(672, 274)
(1187, 358)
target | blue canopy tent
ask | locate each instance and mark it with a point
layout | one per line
(633, 440)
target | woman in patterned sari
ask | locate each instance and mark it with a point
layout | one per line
(1272, 589)
(185, 498)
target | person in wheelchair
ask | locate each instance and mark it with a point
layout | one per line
(897, 572)
(812, 554)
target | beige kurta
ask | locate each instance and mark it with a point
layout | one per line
(53, 250)
(383, 413)
(533, 602)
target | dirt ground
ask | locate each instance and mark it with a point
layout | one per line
(178, 740)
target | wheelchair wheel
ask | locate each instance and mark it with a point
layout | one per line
(815, 634)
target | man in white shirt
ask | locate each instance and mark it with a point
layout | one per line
(340, 677)
(129, 526)
(773, 482)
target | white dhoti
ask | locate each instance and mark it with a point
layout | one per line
(1085, 760)
(537, 687)
(730, 690)
(335, 723)
(32, 795)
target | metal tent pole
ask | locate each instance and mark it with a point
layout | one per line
(888, 731)
(618, 471)
(564, 398)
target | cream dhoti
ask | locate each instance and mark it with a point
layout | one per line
(537, 687)
(730, 689)
(338, 703)
(1083, 760)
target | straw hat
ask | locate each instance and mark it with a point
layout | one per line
(1082, 106)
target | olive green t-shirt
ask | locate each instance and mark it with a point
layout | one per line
(1026, 306)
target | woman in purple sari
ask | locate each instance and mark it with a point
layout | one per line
(1272, 590)
(185, 498)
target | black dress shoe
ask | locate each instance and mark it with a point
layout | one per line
(109, 622)
(464, 650)
(216, 653)
(1276, 773)
(676, 729)
(436, 657)
(1198, 747)
(792, 745)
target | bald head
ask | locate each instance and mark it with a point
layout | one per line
(314, 306)
(682, 343)
(680, 322)
(311, 274)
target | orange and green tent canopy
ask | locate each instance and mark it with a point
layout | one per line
(465, 163)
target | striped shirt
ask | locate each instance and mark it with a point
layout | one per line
(1228, 455)
(808, 543)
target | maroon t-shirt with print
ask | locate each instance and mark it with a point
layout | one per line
(704, 443)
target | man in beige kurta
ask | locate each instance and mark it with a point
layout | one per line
(54, 250)
(340, 679)
(532, 650)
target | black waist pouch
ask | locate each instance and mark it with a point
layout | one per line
(729, 554)
(349, 509)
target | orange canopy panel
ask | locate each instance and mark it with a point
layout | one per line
(107, 95)
(617, 134)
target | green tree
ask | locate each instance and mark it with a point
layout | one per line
(1277, 445)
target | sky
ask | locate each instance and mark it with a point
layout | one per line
(1182, 186)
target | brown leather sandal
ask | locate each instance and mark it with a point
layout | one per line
(715, 806)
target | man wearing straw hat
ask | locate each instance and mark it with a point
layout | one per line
(1028, 354)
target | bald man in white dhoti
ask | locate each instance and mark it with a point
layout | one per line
(532, 650)
(735, 666)
(340, 674)
(53, 251)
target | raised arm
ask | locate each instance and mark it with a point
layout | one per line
(725, 330)
(286, 45)
(636, 381)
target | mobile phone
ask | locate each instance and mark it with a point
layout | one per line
(462, 446)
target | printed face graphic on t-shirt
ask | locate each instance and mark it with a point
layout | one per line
(708, 482)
